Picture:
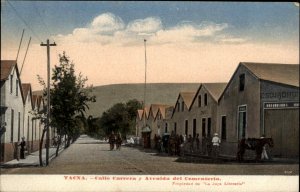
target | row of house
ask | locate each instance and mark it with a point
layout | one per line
(259, 99)
(18, 106)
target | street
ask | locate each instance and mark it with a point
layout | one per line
(90, 156)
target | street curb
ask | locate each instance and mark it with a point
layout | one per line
(35, 164)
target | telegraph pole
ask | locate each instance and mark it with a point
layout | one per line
(48, 99)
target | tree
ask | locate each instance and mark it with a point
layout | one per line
(69, 98)
(120, 118)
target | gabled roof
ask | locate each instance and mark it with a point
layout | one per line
(34, 100)
(6, 68)
(162, 111)
(26, 90)
(140, 114)
(187, 98)
(39, 101)
(280, 73)
(214, 90)
(153, 110)
(146, 112)
(287, 74)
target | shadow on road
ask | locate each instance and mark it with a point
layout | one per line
(222, 160)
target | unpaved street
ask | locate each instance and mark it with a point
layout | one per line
(90, 156)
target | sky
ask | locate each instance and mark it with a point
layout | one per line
(186, 41)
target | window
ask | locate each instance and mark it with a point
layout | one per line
(19, 126)
(34, 129)
(205, 99)
(11, 83)
(199, 101)
(12, 126)
(28, 128)
(242, 82)
(209, 126)
(175, 128)
(178, 105)
(182, 106)
(194, 127)
(17, 82)
(32, 132)
(186, 127)
(223, 128)
(166, 128)
(203, 127)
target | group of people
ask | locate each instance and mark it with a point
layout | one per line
(175, 144)
(115, 139)
(169, 143)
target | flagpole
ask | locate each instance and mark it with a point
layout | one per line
(145, 82)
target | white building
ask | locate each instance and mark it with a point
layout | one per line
(11, 110)
(28, 116)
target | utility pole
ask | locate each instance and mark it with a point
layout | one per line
(48, 99)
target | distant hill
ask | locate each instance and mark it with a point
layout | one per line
(156, 93)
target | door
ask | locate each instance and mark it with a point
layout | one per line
(283, 126)
(242, 122)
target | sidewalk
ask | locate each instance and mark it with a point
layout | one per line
(32, 159)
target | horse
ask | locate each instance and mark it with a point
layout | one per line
(253, 144)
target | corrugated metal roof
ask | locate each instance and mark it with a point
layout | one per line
(280, 73)
(6, 67)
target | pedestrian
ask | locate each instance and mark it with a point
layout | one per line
(159, 144)
(54, 141)
(155, 141)
(181, 145)
(197, 142)
(204, 144)
(265, 155)
(172, 143)
(190, 144)
(118, 141)
(23, 148)
(216, 141)
(112, 140)
(209, 145)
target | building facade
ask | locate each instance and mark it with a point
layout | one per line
(11, 110)
(261, 99)
(180, 121)
(203, 111)
(18, 109)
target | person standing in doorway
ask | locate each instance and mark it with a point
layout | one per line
(23, 147)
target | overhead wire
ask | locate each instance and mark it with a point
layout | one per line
(23, 20)
(46, 28)
(43, 22)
